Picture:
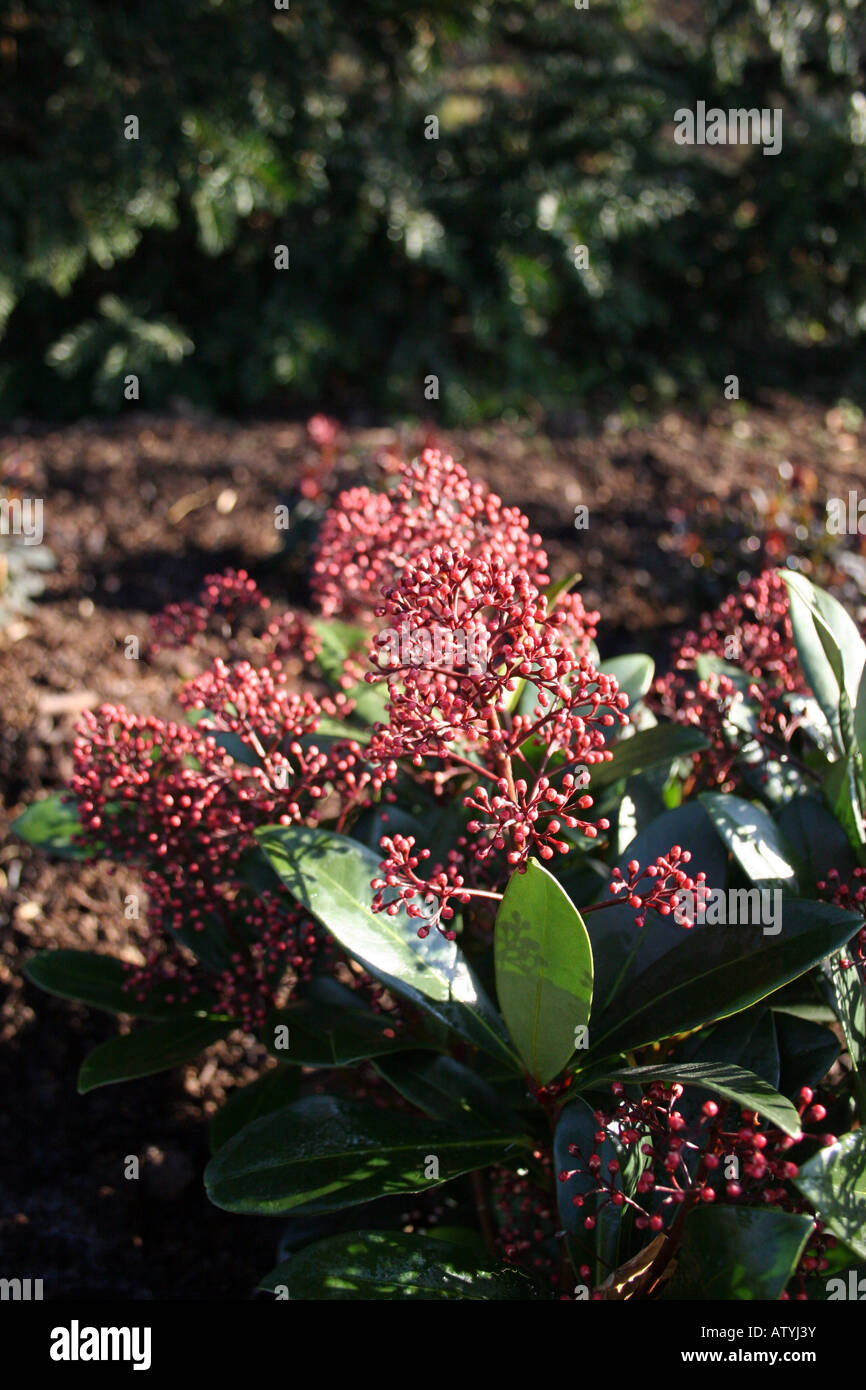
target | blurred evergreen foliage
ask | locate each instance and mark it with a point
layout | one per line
(306, 127)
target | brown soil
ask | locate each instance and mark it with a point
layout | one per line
(136, 514)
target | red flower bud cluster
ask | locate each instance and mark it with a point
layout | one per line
(464, 717)
(668, 882)
(751, 630)
(429, 898)
(367, 537)
(291, 634)
(526, 1219)
(851, 895)
(173, 800)
(224, 600)
(528, 819)
(683, 1162)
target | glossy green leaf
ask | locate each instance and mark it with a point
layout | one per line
(834, 1182)
(737, 1254)
(331, 874)
(147, 1051)
(392, 1265)
(98, 981)
(447, 1090)
(831, 650)
(816, 839)
(807, 1051)
(860, 715)
(633, 673)
(335, 1030)
(715, 972)
(324, 1153)
(843, 792)
(844, 989)
(752, 836)
(743, 1087)
(543, 970)
(646, 749)
(277, 1088)
(747, 1040)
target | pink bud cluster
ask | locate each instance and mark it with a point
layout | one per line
(224, 600)
(751, 629)
(367, 537)
(526, 1219)
(757, 618)
(668, 882)
(230, 605)
(429, 898)
(291, 634)
(498, 611)
(683, 1163)
(477, 590)
(851, 895)
(171, 799)
(528, 819)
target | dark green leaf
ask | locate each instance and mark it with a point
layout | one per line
(447, 1090)
(335, 1030)
(98, 981)
(747, 1040)
(323, 1153)
(806, 1051)
(633, 673)
(277, 1088)
(149, 1050)
(392, 1265)
(843, 988)
(737, 1253)
(752, 836)
(716, 972)
(645, 749)
(816, 840)
(834, 1181)
(830, 648)
(331, 874)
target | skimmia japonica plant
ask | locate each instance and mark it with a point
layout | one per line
(560, 966)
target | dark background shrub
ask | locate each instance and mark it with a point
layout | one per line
(410, 256)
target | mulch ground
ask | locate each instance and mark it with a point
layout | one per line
(136, 513)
